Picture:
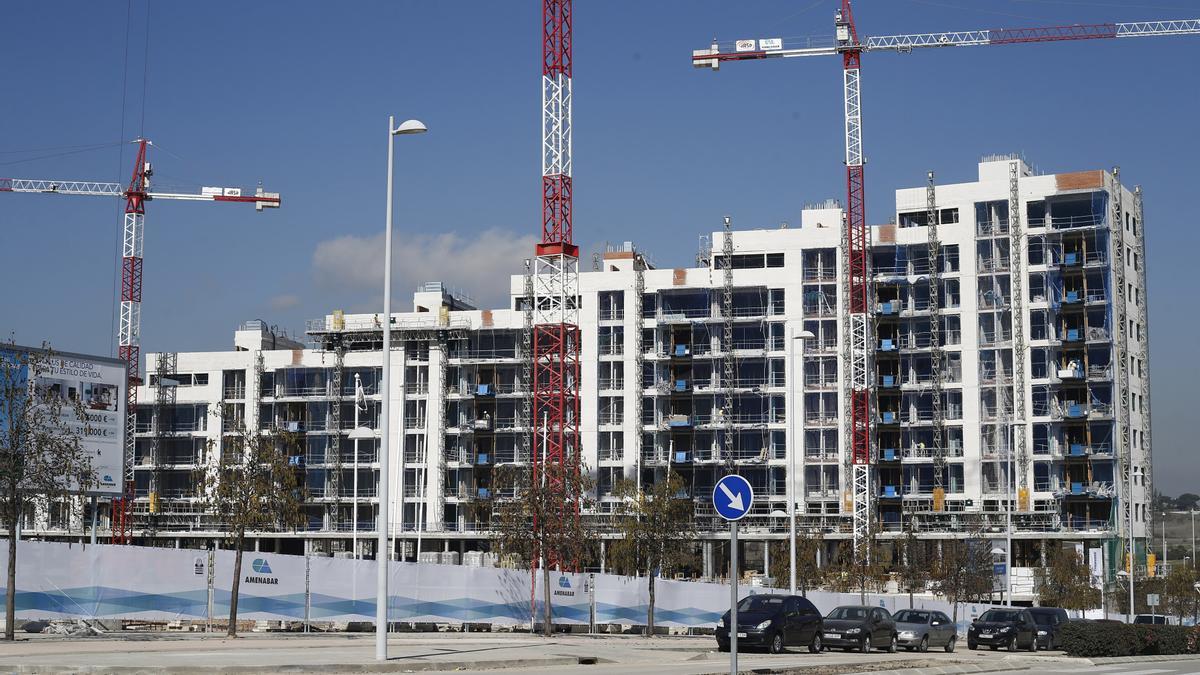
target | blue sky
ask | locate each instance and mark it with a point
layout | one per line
(296, 94)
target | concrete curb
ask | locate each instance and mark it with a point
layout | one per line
(949, 670)
(886, 669)
(1143, 659)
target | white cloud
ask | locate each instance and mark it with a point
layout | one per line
(479, 264)
(284, 301)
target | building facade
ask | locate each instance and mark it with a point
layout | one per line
(1011, 383)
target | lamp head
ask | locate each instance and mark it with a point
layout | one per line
(409, 127)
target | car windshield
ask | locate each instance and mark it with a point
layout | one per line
(760, 603)
(1043, 618)
(1000, 615)
(848, 613)
(909, 616)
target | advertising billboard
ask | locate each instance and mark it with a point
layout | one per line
(98, 384)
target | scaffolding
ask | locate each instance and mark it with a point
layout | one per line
(525, 439)
(727, 358)
(1139, 235)
(639, 355)
(936, 357)
(1121, 338)
(334, 482)
(1017, 258)
(164, 406)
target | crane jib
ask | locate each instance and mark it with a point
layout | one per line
(964, 38)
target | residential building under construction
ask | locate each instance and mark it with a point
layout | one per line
(1010, 385)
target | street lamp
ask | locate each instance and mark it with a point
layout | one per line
(358, 434)
(793, 338)
(381, 547)
(1129, 614)
(1164, 562)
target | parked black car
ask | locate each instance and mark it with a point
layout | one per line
(1156, 619)
(859, 627)
(1013, 628)
(1050, 621)
(774, 622)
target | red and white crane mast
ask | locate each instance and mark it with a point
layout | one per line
(856, 309)
(555, 386)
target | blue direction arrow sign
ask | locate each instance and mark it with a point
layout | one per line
(732, 497)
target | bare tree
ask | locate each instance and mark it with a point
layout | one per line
(658, 531)
(252, 485)
(861, 571)
(538, 521)
(1066, 581)
(912, 564)
(809, 574)
(963, 573)
(42, 458)
(1180, 596)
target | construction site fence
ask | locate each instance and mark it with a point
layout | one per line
(75, 581)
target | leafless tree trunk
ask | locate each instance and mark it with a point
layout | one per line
(10, 598)
(547, 627)
(650, 609)
(237, 582)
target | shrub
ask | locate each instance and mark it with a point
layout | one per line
(1086, 639)
(1098, 639)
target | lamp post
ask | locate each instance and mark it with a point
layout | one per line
(358, 434)
(1011, 489)
(793, 339)
(1164, 562)
(381, 546)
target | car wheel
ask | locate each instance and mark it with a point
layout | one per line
(972, 646)
(1012, 643)
(1033, 645)
(815, 647)
(891, 648)
(924, 646)
(864, 645)
(776, 644)
(950, 644)
(722, 647)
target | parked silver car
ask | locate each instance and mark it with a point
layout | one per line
(921, 629)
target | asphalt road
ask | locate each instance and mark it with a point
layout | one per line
(500, 653)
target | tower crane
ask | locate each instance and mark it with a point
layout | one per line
(135, 194)
(555, 320)
(857, 306)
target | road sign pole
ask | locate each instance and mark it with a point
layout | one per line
(733, 597)
(732, 498)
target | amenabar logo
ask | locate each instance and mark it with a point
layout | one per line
(261, 569)
(564, 588)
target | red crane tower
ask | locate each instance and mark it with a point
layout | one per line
(555, 275)
(857, 307)
(129, 332)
